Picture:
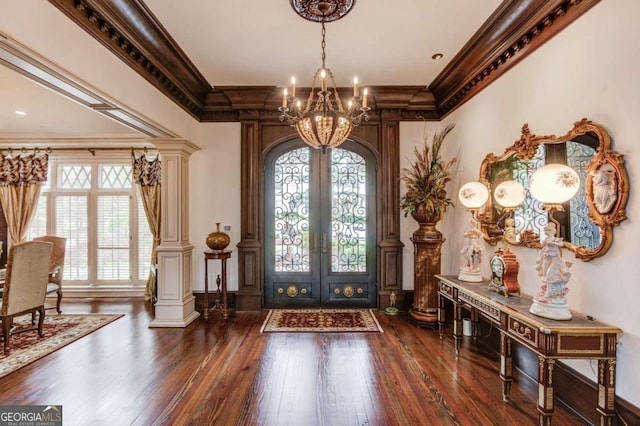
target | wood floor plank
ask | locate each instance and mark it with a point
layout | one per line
(228, 373)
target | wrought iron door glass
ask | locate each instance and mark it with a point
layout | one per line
(291, 218)
(582, 229)
(348, 212)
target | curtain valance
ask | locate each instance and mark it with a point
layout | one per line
(23, 169)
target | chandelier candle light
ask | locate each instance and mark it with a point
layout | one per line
(324, 121)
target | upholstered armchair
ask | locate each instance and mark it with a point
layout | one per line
(56, 268)
(25, 286)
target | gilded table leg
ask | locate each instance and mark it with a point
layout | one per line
(506, 365)
(475, 323)
(606, 391)
(442, 320)
(545, 390)
(457, 325)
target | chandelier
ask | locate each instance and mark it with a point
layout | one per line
(324, 121)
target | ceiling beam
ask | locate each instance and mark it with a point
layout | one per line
(41, 71)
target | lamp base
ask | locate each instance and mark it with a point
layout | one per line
(550, 310)
(470, 276)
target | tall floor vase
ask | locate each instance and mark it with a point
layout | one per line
(427, 245)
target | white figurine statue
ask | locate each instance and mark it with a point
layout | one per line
(553, 270)
(511, 234)
(472, 254)
(604, 190)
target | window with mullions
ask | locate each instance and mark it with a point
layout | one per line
(95, 205)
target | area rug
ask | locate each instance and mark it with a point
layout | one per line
(320, 320)
(59, 331)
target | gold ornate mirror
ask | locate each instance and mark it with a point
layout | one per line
(588, 220)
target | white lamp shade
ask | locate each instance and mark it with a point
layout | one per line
(509, 194)
(473, 195)
(554, 183)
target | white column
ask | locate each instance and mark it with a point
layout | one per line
(175, 306)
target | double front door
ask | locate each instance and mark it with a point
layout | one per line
(320, 227)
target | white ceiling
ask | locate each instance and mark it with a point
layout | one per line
(264, 42)
(47, 112)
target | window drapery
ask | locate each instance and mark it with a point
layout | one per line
(146, 175)
(21, 177)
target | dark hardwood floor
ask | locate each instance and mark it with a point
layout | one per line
(228, 373)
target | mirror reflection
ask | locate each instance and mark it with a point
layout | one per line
(587, 219)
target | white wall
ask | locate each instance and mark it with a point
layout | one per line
(589, 70)
(214, 196)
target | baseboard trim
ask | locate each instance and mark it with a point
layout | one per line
(101, 292)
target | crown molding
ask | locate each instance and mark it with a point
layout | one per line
(131, 31)
(513, 31)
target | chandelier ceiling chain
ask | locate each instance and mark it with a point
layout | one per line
(323, 45)
(324, 122)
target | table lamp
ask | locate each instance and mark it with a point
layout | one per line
(553, 185)
(473, 195)
(509, 195)
(504, 264)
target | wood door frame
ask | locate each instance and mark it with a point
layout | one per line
(258, 136)
(320, 286)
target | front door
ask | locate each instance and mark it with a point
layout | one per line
(320, 240)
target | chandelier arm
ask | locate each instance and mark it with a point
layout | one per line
(321, 123)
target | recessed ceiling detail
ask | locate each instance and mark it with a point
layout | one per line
(318, 11)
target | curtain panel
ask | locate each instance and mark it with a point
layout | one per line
(146, 175)
(21, 177)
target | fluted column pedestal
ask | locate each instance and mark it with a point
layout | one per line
(427, 245)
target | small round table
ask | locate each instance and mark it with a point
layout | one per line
(221, 303)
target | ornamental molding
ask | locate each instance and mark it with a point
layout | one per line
(514, 30)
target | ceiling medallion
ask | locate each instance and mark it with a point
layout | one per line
(318, 11)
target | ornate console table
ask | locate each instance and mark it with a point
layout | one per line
(578, 338)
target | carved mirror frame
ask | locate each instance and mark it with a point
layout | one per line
(605, 212)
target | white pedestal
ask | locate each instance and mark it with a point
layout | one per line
(470, 276)
(550, 310)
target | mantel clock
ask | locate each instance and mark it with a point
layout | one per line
(504, 272)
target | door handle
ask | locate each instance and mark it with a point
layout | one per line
(324, 242)
(314, 242)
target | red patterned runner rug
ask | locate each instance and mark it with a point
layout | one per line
(59, 331)
(321, 320)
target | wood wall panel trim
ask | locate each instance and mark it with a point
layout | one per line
(250, 249)
(389, 245)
